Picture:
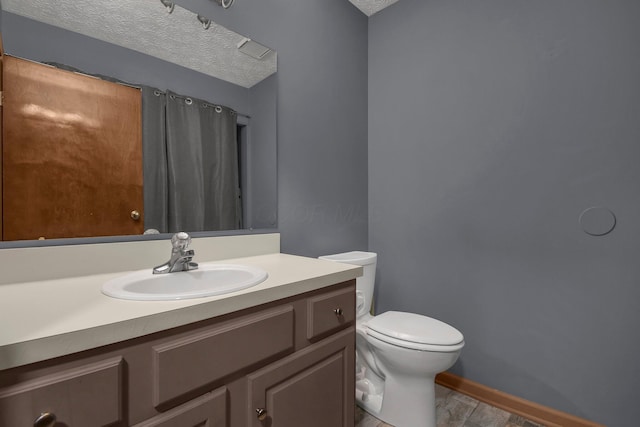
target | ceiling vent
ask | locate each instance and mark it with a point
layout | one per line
(253, 49)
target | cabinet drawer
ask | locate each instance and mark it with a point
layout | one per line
(330, 312)
(90, 395)
(190, 363)
(209, 410)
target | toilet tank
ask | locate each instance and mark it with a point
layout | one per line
(364, 283)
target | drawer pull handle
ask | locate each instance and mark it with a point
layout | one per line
(261, 413)
(46, 419)
(338, 311)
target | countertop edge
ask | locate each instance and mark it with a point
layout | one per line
(35, 350)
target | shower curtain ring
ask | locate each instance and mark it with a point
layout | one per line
(206, 22)
(169, 5)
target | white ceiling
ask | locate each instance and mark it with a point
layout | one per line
(369, 7)
(148, 28)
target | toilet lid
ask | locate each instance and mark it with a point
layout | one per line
(414, 328)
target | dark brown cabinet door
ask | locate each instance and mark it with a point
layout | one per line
(313, 387)
(90, 396)
(71, 154)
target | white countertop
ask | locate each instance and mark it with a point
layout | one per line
(45, 319)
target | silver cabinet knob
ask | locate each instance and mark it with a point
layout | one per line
(338, 311)
(261, 413)
(46, 419)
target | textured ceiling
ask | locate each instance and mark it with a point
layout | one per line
(146, 26)
(369, 7)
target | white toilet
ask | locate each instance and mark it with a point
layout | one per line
(397, 354)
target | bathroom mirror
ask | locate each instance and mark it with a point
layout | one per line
(176, 50)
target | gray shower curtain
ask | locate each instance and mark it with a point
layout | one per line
(154, 160)
(191, 177)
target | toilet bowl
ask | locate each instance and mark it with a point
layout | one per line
(398, 354)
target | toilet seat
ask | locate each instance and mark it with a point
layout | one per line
(414, 331)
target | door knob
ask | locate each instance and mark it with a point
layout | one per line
(338, 311)
(261, 413)
(46, 419)
(135, 215)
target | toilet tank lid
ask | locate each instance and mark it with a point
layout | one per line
(415, 328)
(353, 257)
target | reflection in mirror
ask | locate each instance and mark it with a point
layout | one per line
(179, 83)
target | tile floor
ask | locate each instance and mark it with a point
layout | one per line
(454, 409)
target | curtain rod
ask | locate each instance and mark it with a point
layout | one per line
(114, 80)
(184, 97)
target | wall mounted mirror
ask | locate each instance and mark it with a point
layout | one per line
(153, 43)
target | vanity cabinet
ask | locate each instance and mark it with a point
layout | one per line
(307, 388)
(285, 363)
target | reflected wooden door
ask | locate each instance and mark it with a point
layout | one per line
(71, 154)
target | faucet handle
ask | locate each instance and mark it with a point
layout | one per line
(180, 240)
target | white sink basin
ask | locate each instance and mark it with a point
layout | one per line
(207, 280)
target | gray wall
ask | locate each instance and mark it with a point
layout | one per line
(322, 124)
(322, 115)
(492, 126)
(263, 154)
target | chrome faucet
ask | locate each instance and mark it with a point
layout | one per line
(180, 256)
